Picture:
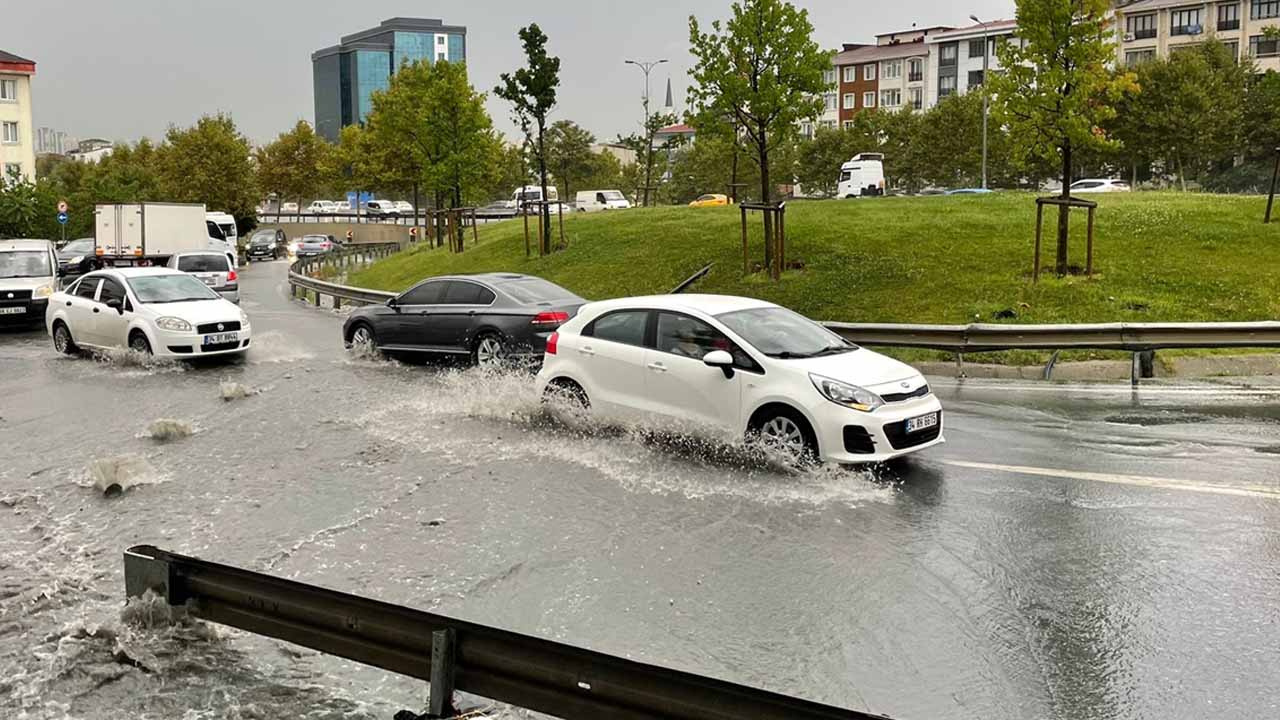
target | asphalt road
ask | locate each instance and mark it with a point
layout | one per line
(1071, 552)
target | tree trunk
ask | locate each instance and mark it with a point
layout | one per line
(733, 172)
(542, 176)
(762, 146)
(457, 226)
(648, 165)
(416, 207)
(1064, 213)
(1182, 176)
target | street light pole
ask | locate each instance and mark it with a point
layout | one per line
(647, 66)
(986, 96)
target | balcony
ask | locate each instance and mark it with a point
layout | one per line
(1194, 29)
(1224, 25)
(1144, 34)
(915, 77)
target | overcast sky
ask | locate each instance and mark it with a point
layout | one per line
(125, 69)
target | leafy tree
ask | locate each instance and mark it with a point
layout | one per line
(465, 132)
(209, 163)
(762, 69)
(646, 153)
(508, 168)
(292, 166)
(1262, 116)
(1055, 88)
(569, 154)
(27, 209)
(531, 90)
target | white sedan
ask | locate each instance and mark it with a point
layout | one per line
(154, 311)
(1099, 185)
(746, 369)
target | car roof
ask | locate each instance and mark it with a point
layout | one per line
(25, 244)
(708, 304)
(188, 253)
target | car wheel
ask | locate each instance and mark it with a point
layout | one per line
(62, 341)
(138, 343)
(489, 351)
(784, 434)
(363, 340)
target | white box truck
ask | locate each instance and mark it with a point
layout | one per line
(150, 233)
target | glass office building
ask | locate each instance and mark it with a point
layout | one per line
(346, 75)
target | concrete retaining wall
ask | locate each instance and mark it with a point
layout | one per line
(361, 233)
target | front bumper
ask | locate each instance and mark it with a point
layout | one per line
(848, 436)
(32, 313)
(190, 345)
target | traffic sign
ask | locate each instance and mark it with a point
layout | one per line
(350, 234)
(62, 206)
(62, 217)
(413, 232)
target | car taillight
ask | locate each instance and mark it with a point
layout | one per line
(231, 276)
(552, 342)
(551, 318)
(325, 245)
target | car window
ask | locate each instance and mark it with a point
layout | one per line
(425, 294)
(625, 326)
(532, 290)
(88, 287)
(78, 247)
(113, 290)
(692, 338)
(203, 263)
(466, 293)
(1085, 184)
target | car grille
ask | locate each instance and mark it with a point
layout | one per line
(210, 328)
(899, 439)
(20, 297)
(900, 397)
(219, 347)
(858, 441)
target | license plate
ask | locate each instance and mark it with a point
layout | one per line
(13, 310)
(210, 281)
(924, 422)
(220, 338)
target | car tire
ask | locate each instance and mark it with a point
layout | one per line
(489, 351)
(784, 434)
(62, 340)
(564, 390)
(139, 343)
(363, 339)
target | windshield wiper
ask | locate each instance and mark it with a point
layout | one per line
(834, 350)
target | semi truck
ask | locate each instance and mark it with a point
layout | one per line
(150, 233)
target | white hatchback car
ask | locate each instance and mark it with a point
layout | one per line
(155, 311)
(747, 370)
(1099, 185)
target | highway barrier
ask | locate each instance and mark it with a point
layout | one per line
(301, 272)
(521, 670)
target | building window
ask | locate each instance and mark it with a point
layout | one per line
(977, 48)
(828, 124)
(916, 96)
(806, 129)
(1263, 46)
(851, 73)
(975, 78)
(442, 57)
(1229, 17)
(829, 77)
(848, 125)
(915, 70)
(949, 52)
(946, 85)
(850, 101)
(1133, 58)
(890, 98)
(1233, 48)
(10, 133)
(439, 39)
(12, 171)
(869, 71)
(868, 99)
(1263, 9)
(1142, 27)
(829, 101)
(9, 90)
(892, 70)
(1184, 22)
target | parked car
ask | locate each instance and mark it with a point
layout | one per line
(314, 245)
(744, 369)
(598, 200)
(151, 310)
(265, 244)
(76, 257)
(711, 200)
(289, 208)
(968, 191)
(342, 206)
(211, 268)
(381, 208)
(404, 207)
(321, 207)
(1099, 185)
(28, 277)
(494, 318)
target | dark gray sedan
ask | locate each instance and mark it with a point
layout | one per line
(494, 318)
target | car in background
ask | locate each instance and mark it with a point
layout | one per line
(321, 207)
(745, 370)
(599, 200)
(267, 244)
(289, 208)
(28, 278)
(76, 257)
(710, 200)
(494, 318)
(211, 268)
(381, 208)
(342, 206)
(404, 207)
(1099, 185)
(309, 245)
(968, 191)
(150, 310)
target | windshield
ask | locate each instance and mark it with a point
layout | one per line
(25, 263)
(778, 332)
(78, 247)
(203, 263)
(536, 290)
(263, 238)
(309, 239)
(228, 229)
(613, 195)
(157, 289)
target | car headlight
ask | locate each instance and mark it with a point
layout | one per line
(850, 396)
(173, 324)
(244, 319)
(43, 291)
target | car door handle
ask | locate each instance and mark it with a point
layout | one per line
(95, 309)
(68, 303)
(657, 367)
(586, 351)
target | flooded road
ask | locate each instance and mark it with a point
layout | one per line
(1071, 552)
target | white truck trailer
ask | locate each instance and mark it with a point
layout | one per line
(150, 233)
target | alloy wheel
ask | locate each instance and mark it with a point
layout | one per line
(489, 352)
(781, 435)
(62, 339)
(139, 344)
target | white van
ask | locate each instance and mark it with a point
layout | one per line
(28, 277)
(533, 194)
(597, 200)
(862, 176)
(227, 225)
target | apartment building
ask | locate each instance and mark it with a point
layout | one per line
(17, 137)
(891, 74)
(1155, 28)
(957, 56)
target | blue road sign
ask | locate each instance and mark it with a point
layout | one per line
(62, 218)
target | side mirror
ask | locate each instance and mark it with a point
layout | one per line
(719, 359)
(62, 272)
(393, 303)
(116, 305)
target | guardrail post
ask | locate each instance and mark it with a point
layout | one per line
(440, 703)
(317, 298)
(1135, 370)
(337, 302)
(959, 365)
(1147, 363)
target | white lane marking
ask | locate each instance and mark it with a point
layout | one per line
(1227, 391)
(1138, 480)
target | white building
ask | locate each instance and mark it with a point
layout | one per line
(830, 117)
(1154, 28)
(17, 139)
(956, 57)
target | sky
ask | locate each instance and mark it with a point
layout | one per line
(127, 69)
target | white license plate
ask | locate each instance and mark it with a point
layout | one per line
(220, 338)
(13, 310)
(924, 422)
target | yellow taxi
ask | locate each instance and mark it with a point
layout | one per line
(713, 200)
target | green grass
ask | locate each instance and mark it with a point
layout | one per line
(1157, 257)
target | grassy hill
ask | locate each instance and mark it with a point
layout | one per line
(1158, 257)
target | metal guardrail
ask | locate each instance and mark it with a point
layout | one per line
(422, 218)
(301, 282)
(521, 670)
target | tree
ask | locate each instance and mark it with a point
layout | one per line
(531, 90)
(763, 70)
(209, 163)
(569, 154)
(508, 168)
(1055, 88)
(292, 166)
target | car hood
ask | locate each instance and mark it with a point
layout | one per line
(198, 311)
(862, 367)
(23, 283)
